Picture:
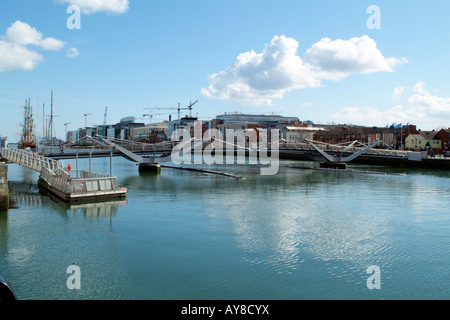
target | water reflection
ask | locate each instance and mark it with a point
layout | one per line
(28, 195)
(41, 237)
(302, 222)
(182, 233)
(268, 234)
(105, 210)
(4, 234)
(310, 213)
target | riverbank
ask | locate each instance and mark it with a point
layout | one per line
(389, 161)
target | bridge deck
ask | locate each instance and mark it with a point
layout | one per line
(292, 151)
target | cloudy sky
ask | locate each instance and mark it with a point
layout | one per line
(327, 61)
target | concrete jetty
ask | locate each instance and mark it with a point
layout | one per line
(4, 191)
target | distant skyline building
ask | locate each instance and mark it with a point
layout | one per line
(236, 121)
(3, 142)
(255, 119)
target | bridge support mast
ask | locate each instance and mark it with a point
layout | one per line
(339, 162)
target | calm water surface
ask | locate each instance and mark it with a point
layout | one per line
(302, 234)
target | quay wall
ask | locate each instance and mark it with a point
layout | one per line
(427, 163)
(4, 191)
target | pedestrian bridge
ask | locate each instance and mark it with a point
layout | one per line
(31, 160)
(69, 186)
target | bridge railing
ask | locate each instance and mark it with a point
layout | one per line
(83, 174)
(57, 181)
(335, 148)
(30, 160)
(86, 182)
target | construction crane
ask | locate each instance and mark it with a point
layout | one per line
(151, 115)
(191, 105)
(86, 116)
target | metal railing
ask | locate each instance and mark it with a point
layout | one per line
(83, 174)
(30, 160)
(85, 183)
(335, 148)
(57, 177)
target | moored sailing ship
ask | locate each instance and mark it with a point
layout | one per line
(28, 138)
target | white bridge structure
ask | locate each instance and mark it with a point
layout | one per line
(30, 160)
(68, 185)
(339, 161)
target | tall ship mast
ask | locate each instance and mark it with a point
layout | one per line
(28, 138)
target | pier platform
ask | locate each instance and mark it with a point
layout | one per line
(84, 187)
(69, 186)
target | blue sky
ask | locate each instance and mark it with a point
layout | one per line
(317, 60)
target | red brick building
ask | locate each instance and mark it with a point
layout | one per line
(444, 135)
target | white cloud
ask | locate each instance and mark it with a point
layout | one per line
(15, 53)
(259, 78)
(398, 93)
(73, 53)
(16, 57)
(426, 105)
(370, 116)
(21, 33)
(425, 110)
(419, 87)
(340, 58)
(51, 44)
(94, 6)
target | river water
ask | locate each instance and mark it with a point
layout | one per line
(301, 234)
